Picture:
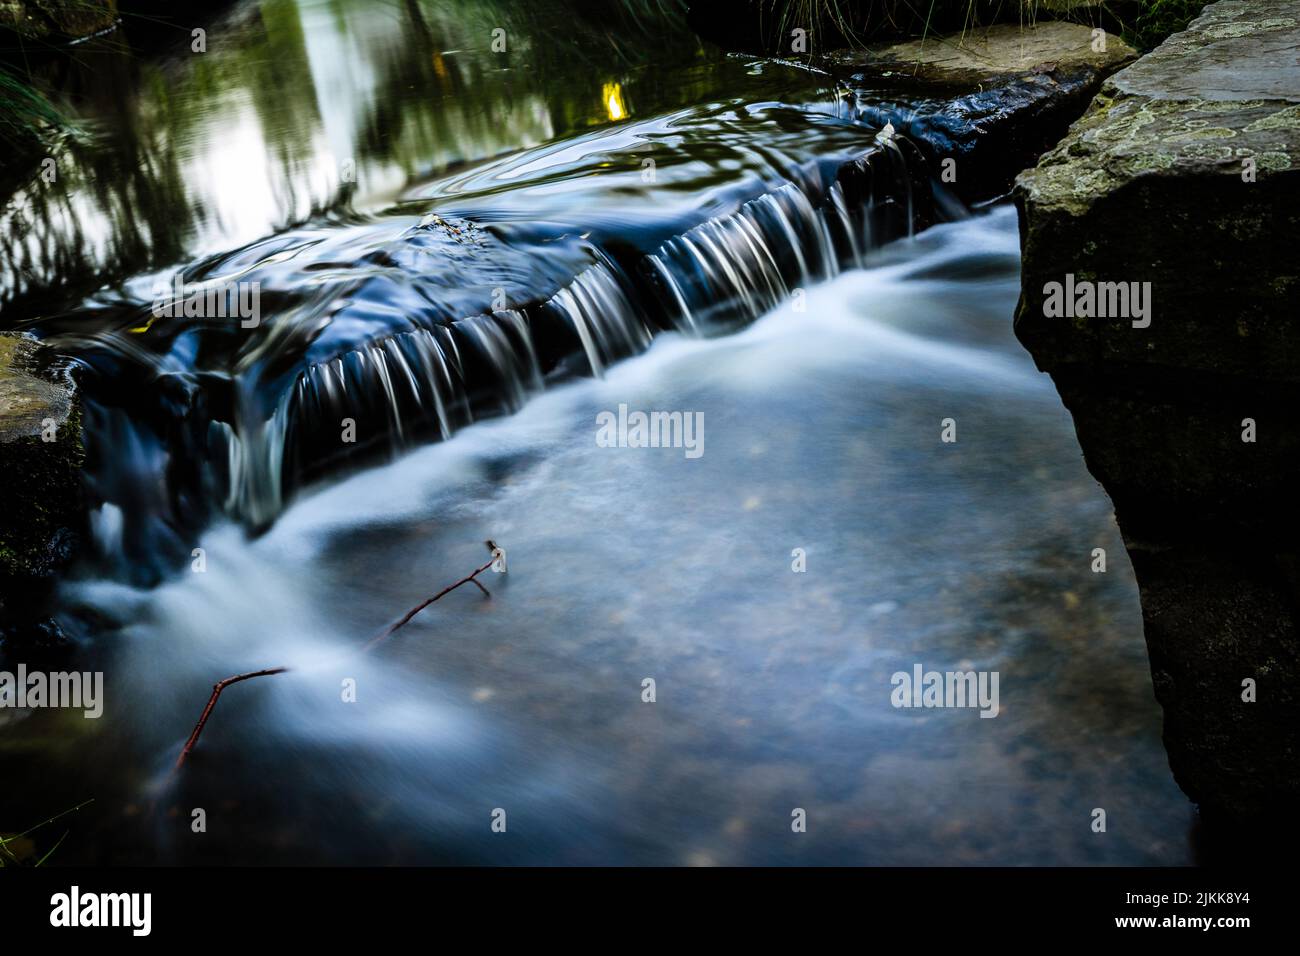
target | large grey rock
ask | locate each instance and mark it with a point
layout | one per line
(1185, 174)
(1006, 49)
(990, 100)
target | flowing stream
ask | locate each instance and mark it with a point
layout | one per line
(470, 256)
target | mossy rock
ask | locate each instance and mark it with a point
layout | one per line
(41, 456)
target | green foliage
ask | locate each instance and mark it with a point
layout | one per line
(17, 850)
(1159, 19)
(1145, 24)
(858, 20)
(26, 117)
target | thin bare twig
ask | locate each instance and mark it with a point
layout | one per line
(421, 606)
(218, 687)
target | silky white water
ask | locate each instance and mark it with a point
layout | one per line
(772, 688)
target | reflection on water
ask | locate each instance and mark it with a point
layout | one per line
(772, 687)
(301, 106)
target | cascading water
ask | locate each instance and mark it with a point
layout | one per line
(357, 356)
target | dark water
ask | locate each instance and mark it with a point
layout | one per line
(501, 236)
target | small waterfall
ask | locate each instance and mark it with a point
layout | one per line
(250, 439)
(423, 385)
(742, 265)
(599, 308)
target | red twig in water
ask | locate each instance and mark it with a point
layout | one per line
(420, 607)
(217, 688)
